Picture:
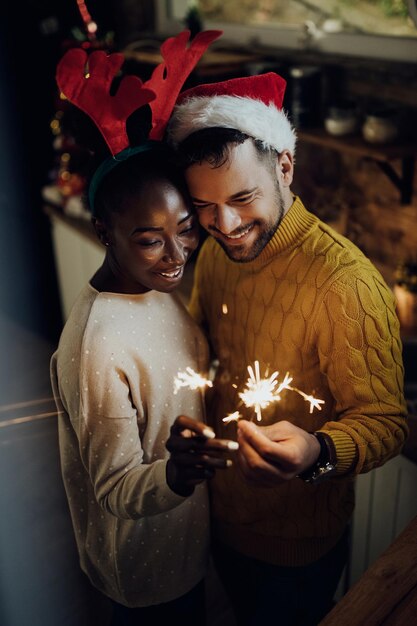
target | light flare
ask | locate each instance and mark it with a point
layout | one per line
(232, 417)
(260, 392)
(191, 380)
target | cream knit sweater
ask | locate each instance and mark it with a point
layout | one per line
(113, 380)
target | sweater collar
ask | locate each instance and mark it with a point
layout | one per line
(296, 223)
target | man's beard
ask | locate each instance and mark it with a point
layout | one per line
(263, 239)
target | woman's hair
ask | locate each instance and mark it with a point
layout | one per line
(126, 181)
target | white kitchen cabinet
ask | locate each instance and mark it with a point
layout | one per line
(386, 501)
(77, 258)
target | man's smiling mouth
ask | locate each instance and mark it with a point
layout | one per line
(237, 236)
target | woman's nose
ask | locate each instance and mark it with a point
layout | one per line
(227, 219)
(175, 253)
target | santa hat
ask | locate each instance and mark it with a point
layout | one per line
(252, 105)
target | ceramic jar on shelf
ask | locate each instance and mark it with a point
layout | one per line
(341, 118)
(380, 126)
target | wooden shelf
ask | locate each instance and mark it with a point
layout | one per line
(211, 63)
(381, 154)
(354, 144)
(216, 58)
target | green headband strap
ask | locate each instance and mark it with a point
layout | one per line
(111, 162)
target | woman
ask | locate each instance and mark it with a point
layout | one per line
(140, 516)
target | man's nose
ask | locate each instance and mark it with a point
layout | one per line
(227, 219)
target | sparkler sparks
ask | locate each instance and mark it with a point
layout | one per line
(260, 392)
(314, 402)
(233, 417)
(190, 379)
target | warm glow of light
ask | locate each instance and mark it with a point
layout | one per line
(225, 310)
(190, 379)
(260, 392)
(90, 25)
(314, 402)
(233, 417)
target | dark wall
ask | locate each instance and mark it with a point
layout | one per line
(31, 37)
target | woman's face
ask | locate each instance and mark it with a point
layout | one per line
(152, 239)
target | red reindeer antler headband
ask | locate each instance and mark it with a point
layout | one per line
(86, 82)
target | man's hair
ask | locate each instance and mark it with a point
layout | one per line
(213, 145)
(126, 182)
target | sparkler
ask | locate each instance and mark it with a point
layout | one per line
(190, 379)
(261, 392)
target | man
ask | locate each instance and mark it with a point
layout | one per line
(274, 284)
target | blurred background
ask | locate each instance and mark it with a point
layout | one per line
(352, 95)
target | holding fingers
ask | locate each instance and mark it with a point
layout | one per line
(272, 454)
(195, 454)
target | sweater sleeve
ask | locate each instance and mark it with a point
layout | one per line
(359, 350)
(110, 443)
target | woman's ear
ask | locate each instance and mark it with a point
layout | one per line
(285, 168)
(102, 231)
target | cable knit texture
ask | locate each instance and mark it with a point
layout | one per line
(313, 305)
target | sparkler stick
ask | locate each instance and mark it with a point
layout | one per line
(190, 379)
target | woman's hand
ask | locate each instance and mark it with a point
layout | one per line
(195, 454)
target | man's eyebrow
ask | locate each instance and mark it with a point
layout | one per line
(243, 192)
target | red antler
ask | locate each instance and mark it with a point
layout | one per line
(168, 78)
(90, 92)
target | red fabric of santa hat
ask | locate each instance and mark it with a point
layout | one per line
(252, 105)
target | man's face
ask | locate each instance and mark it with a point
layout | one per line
(239, 203)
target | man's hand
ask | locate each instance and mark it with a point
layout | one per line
(195, 454)
(272, 454)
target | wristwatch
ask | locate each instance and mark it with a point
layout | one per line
(325, 466)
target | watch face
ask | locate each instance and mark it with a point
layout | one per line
(318, 473)
(323, 471)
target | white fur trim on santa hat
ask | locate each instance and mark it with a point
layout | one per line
(253, 117)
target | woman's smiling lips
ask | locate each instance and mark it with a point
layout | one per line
(173, 274)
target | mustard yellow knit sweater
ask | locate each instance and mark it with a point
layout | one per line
(312, 305)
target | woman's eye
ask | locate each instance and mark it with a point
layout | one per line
(147, 244)
(188, 229)
(202, 207)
